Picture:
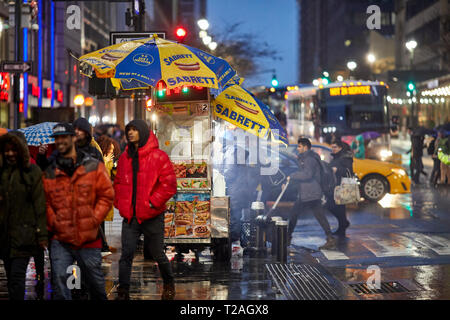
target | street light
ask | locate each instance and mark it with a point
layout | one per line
(212, 46)
(351, 65)
(207, 40)
(411, 45)
(340, 78)
(202, 34)
(203, 24)
(78, 100)
(371, 58)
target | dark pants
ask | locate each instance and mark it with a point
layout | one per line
(339, 211)
(416, 168)
(319, 214)
(16, 269)
(90, 262)
(39, 262)
(153, 229)
(436, 173)
(105, 247)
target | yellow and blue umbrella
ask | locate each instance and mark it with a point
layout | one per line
(239, 107)
(142, 63)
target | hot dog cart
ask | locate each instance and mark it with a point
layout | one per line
(195, 219)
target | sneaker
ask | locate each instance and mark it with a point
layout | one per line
(106, 253)
(168, 291)
(330, 244)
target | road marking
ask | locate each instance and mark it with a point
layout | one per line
(390, 248)
(334, 255)
(438, 244)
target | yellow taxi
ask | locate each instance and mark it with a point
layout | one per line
(378, 178)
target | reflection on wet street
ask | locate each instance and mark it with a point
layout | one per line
(406, 236)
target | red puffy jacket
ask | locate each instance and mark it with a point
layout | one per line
(77, 205)
(156, 183)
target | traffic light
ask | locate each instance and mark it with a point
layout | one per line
(411, 86)
(274, 81)
(180, 33)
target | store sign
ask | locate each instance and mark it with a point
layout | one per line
(34, 90)
(59, 95)
(4, 86)
(349, 91)
(49, 93)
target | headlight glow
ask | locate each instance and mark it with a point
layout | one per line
(399, 171)
(385, 153)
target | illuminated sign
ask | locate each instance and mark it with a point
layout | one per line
(349, 91)
(59, 95)
(184, 93)
(4, 86)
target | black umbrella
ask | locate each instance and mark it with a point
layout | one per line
(422, 131)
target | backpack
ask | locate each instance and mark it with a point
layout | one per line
(327, 178)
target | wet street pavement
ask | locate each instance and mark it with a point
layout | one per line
(406, 236)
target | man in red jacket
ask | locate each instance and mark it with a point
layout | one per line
(145, 181)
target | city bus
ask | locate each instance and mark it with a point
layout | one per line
(348, 108)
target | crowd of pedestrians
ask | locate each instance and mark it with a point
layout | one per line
(61, 202)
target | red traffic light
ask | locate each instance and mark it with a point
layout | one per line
(181, 33)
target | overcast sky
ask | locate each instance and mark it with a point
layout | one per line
(275, 22)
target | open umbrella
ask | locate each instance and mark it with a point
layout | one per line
(142, 63)
(368, 135)
(239, 107)
(39, 133)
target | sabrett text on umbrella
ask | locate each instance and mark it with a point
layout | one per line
(171, 59)
(191, 79)
(239, 99)
(235, 116)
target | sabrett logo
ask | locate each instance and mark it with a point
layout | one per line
(191, 79)
(238, 118)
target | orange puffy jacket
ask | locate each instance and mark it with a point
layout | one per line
(77, 205)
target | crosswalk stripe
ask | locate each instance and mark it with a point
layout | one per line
(334, 255)
(438, 244)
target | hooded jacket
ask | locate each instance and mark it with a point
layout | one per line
(22, 203)
(79, 197)
(343, 162)
(147, 173)
(360, 152)
(90, 146)
(308, 177)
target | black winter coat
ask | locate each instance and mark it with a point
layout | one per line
(23, 220)
(343, 162)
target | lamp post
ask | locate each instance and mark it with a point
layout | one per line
(411, 45)
(351, 65)
(371, 59)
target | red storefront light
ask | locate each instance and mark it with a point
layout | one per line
(49, 93)
(59, 95)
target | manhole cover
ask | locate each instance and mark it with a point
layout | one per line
(385, 287)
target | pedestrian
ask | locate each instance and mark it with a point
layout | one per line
(145, 181)
(433, 149)
(342, 165)
(79, 196)
(23, 230)
(107, 147)
(85, 142)
(444, 148)
(416, 164)
(358, 147)
(309, 191)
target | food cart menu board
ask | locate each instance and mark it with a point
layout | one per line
(188, 216)
(191, 174)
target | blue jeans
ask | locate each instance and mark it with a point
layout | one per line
(90, 262)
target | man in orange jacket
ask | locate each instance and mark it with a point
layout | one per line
(79, 196)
